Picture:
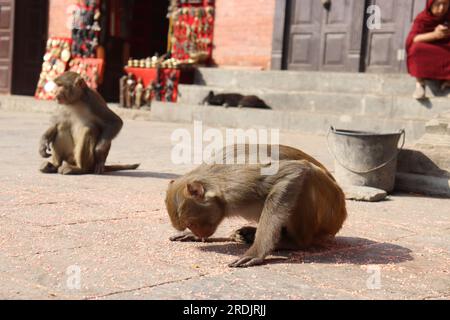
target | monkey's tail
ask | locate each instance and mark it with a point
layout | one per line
(120, 167)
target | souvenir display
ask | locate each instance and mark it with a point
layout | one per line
(55, 62)
(90, 69)
(123, 92)
(130, 86)
(139, 94)
(148, 94)
(86, 28)
(157, 86)
(154, 62)
(170, 86)
(191, 36)
(141, 86)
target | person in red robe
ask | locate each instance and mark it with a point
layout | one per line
(428, 46)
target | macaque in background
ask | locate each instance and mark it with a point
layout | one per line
(80, 135)
(298, 206)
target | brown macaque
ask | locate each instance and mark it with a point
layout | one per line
(274, 154)
(298, 206)
(80, 135)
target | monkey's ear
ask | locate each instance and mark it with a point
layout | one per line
(196, 190)
(79, 82)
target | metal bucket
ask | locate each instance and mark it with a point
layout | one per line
(366, 159)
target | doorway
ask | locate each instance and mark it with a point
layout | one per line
(323, 37)
(30, 38)
(6, 43)
(137, 29)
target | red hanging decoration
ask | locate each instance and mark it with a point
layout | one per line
(192, 30)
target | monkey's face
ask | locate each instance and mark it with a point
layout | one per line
(191, 207)
(201, 218)
(68, 95)
(70, 88)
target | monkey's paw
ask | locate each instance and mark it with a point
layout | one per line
(65, 169)
(246, 262)
(185, 237)
(48, 168)
(99, 168)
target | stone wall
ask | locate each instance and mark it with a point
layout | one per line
(58, 18)
(243, 33)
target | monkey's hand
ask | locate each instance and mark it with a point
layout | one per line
(44, 149)
(250, 259)
(101, 153)
(100, 167)
(247, 261)
(185, 237)
(46, 140)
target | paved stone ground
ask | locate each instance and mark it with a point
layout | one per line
(115, 230)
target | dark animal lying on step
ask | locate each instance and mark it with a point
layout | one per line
(234, 100)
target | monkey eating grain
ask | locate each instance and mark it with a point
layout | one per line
(80, 135)
(298, 206)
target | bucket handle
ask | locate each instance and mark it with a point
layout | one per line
(332, 129)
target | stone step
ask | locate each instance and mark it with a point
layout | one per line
(362, 83)
(297, 121)
(334, 103)
(423, 184)
(30, 104)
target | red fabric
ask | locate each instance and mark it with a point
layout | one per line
(428, 60)
(179, 47)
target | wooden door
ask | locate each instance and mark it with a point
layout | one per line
(30, 34)
(6, 44)
(341, 36)
(386, 46)
(304, 32)
(322, 38)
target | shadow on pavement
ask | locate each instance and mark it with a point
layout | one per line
(144, 174)
(343, 250)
